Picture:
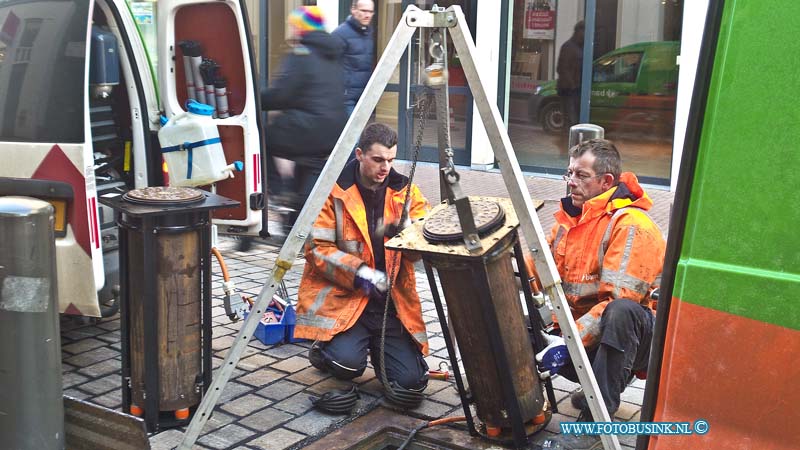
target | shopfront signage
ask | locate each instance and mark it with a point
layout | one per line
(540, 19)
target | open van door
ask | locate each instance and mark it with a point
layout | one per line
(220, 30)
(68, 133)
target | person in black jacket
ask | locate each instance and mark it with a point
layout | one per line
(308, 92)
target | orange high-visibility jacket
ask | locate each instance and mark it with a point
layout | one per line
(338, 245)
(611, 250)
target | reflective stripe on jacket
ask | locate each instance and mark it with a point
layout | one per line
(611, 250)
(338, 245)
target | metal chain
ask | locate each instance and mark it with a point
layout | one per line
(422, 107)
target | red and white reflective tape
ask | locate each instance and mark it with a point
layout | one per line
(94, 233)
(256, 173)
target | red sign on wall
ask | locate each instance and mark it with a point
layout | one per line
(540, 19)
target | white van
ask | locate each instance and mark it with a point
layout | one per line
(80, 108)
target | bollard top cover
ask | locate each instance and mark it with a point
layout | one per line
(23, 206)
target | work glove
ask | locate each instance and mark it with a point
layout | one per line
(370, 281)
(554, 355)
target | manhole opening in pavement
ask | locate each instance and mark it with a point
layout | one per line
(393, 438)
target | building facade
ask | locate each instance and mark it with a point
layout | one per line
(632, 65)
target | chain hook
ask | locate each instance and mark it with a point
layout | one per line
(436, 72)
(435, 47)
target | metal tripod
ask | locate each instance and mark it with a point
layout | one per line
(453, 20)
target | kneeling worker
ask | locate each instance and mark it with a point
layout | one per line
(609, 255)
(343, 291)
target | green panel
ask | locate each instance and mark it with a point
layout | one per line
(742, 290)
(744, 210)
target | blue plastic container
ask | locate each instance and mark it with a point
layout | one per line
(271, 333)
(289, 319)
(278, 332)
(104, 60)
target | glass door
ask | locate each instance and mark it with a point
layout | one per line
(406, 87)
(388, 110)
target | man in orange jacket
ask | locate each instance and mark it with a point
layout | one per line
(343, 291)
(609, 254)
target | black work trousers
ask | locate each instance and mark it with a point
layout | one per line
(626, 329)
(345, 355)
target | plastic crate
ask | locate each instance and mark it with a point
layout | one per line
(283, 329)
(290, 318)
(270, 333)
(277, 332)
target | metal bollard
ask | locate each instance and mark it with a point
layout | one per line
(583, 132)
(31, 405)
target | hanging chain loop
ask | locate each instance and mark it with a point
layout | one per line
(421, 107)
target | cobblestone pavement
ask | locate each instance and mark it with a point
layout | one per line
(266, 405)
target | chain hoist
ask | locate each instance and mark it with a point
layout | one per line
(450, 187)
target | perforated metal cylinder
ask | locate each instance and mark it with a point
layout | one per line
(31, 405)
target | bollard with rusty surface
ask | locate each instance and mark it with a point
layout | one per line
(31, 407)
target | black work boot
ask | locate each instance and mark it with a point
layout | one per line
(578, 399)
(315, 356)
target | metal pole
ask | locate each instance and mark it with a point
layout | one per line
(263, 83)
(451, 348)
(206, 321)
(535, 320)
(529, 222)
(124, 312)
(31, 406)
(588, 56)
(151, 319)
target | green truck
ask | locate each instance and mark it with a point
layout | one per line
(633, 91)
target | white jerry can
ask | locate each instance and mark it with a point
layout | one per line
(192, 148)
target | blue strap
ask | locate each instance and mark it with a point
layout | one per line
(190, 146)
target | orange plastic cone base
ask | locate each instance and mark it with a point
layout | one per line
(182, 414)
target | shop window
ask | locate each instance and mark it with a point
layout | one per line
(633, 82)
